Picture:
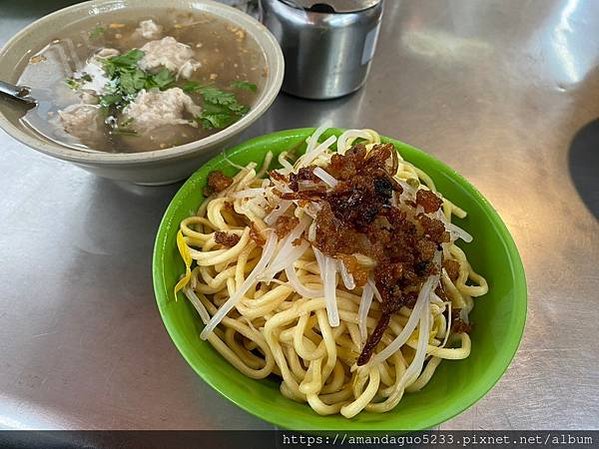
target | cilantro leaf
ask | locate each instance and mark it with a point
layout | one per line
(115, 65)
(220, 108)
(191, 87)
(216, 96)
(132, 82)
(127, 60)
(127, 79)
(97, 32)
(239, 108)
(73, 83)
(215, 120)
(215, 108)
(163, 79)
(110, 100)
(124, 132)
(244, 85)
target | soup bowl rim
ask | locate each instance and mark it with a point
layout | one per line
(261, 35)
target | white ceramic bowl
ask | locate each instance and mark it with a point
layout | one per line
(153, 167)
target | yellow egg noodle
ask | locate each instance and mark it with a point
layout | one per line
(289, 311)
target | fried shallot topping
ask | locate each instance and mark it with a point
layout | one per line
(284, 225)
(217, 182)
(256, 235)
(429, 201)
(458, 326)
(226, 239)
(358, 216)
(359, 273)
(303, 174)
(453, 269)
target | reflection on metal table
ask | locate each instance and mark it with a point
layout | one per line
(503, 91)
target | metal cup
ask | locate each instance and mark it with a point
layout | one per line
(328, 45)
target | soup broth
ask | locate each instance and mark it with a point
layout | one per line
(159, 81)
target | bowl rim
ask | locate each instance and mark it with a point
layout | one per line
(518, 322)
(262, 36)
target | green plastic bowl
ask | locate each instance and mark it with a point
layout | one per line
(499, 316)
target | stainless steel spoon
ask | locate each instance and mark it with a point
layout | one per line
(20, 93)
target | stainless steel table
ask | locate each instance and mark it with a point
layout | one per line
(506, 92)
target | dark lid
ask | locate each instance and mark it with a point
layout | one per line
(332, 6)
